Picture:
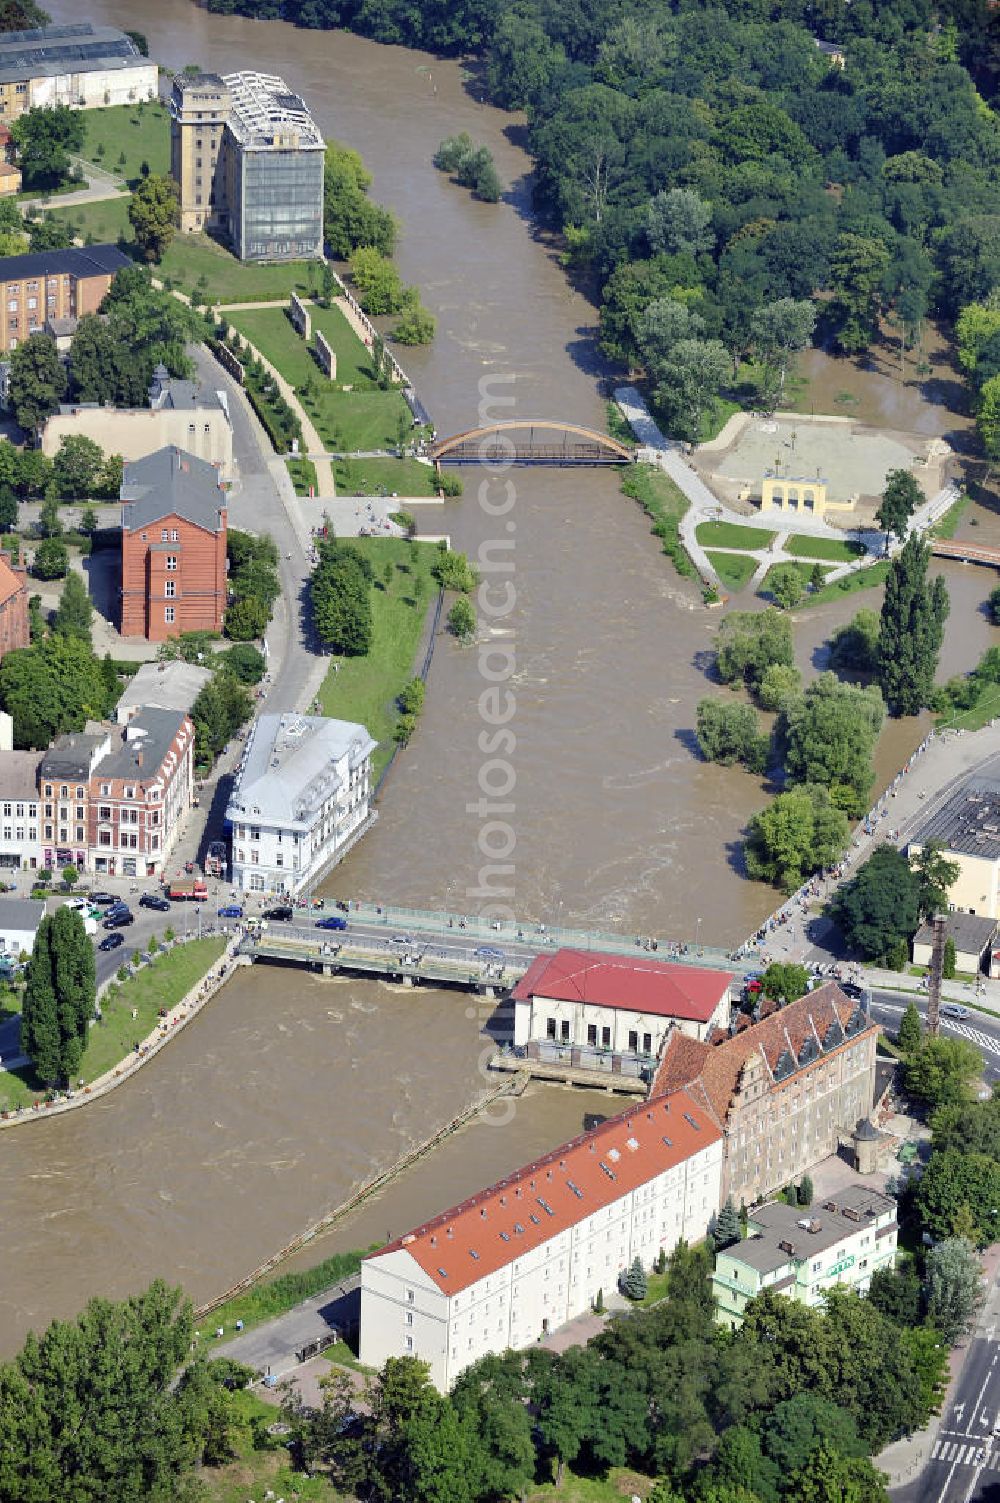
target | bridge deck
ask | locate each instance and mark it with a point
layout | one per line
(968, 553)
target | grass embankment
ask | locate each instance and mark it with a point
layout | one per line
(801, 545)
(735, 570)
(273, 1297)
(258, 1474)
(162, 983)
(861, 579)
(619, 1484)
(732, 535)
(365, 689)
(364, 417)
(665, 504)
(948, 525)
(136, 132)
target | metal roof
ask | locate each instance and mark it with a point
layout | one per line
(20, 913)
(810, 1230)
(289, 768)
(969, 821)
(80, 48)
(264, 110)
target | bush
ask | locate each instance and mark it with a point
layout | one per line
(246, 620)
(245, 663)
(450, 484)
(453, 571)
(417, 325)
(51, 559)
(462, 620)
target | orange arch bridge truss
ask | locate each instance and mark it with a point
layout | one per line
(530, 441)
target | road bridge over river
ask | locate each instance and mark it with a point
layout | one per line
(966, 553)
(440, 948)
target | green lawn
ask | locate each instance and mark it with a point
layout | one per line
(365, 689)
(384, 477)
(861, 579)
(665, 504)
(354, 363)
(804, 546)
(348, 421)
(103, 221)
(804, 570)
(140, 132)
(257, 1474)
(733, 569)
(303, 473)
(985, 709)
(229, 280)
(163, 984)
(656, 1287)
(732, 535)
(365, 418)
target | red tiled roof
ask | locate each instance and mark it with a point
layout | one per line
(536, 1203)
(716, 1067)
(653, 986)
(10, 582)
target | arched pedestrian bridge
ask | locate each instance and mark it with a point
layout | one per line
(531, 441)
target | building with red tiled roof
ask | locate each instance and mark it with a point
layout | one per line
(531, 1252)
(599, 1004)
(785, 1090)
(14, 630)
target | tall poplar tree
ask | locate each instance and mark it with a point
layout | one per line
(59, 996)
(911, 630)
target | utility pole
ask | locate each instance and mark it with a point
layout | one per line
(934, 976)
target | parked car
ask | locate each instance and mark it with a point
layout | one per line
(399, 939)
(850, 989)
(77, 905)
(118, 919)
(111, 941)
(954, 1010)
(104, 899)
(488, 952)
(332, 921)
(231, 910)
(153, 900)
(281, 914)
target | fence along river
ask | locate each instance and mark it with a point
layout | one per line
(290, 1091)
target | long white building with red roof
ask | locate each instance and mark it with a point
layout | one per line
(525, 1256)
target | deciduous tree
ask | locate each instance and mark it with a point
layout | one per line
(729, 732)
(152, 213)
(799, 833)
(900, 499)
(37, 381)
(953, 1280)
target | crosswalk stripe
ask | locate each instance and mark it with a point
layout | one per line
(936, 1450)
(964, 1455)
(946, 1450)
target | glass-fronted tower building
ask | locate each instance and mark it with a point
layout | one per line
(273, 172)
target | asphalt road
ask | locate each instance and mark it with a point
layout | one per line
(979, 1028)
(965, 1460)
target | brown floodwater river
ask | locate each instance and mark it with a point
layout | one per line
(288, 1091)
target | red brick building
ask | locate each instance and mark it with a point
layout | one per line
(173, 546)
(53, 284)
(13, 608)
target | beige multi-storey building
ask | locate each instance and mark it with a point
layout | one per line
(967, 829)
(248, 161)
(180, 414)
(199, 109)
(786, 1090)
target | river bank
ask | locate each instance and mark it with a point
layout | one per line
(137, 997)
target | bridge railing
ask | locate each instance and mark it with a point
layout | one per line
(454, 925)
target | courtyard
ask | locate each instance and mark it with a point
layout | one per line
(851, 458)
